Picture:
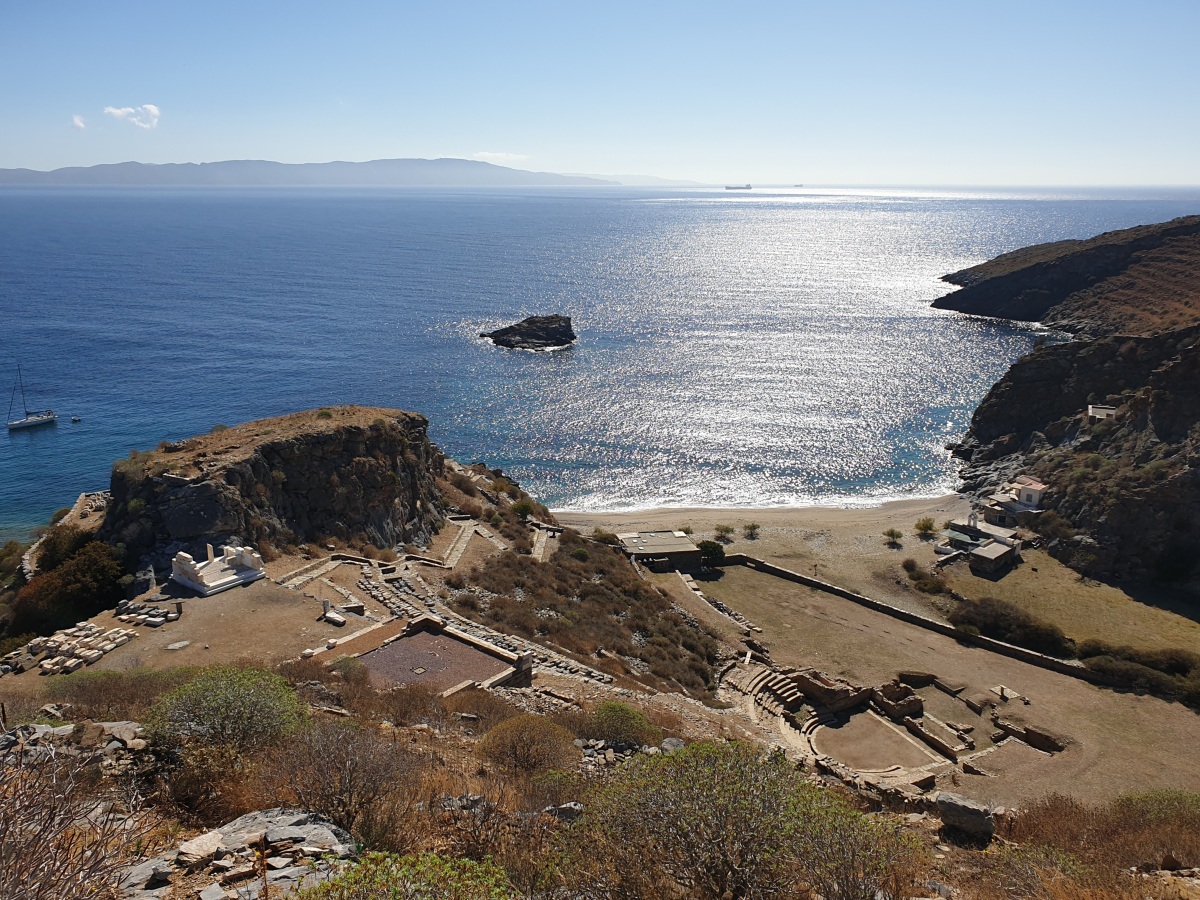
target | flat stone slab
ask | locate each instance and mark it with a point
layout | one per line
(200, 849)
(179, 645)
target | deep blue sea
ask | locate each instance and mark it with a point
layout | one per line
(772, 347)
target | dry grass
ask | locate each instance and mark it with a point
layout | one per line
(1082, 608)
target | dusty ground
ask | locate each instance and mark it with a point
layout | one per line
(1119, 742)
(261, 621)
(846, 546)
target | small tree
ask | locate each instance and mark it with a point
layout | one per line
(238, 708)
(750, 531)
(723, 532)
(522, 509)
(925, 526)
(711, 552)
(893, 536)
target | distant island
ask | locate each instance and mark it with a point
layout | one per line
(445, 172)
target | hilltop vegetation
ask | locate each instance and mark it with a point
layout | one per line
(588, 600)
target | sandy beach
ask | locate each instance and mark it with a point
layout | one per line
(843, 546)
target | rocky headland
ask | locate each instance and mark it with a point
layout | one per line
(534, 333)
(339, 472)
(1124, 486)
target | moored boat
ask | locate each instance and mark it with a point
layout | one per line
(30, 419)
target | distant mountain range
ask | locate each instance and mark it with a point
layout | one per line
(263, 173)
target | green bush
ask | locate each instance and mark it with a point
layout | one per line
(1007, 622)
(924, 526)
(427, 876)
(710, 551)
(750, 531)
(59, 515)
(522, 508)
(240, 708)
(605, 537)
(617, 723)
(724, 820)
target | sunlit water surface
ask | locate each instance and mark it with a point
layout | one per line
(751, 349)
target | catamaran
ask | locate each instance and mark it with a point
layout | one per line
(30, 419)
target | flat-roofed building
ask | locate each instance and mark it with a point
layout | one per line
(992, 556)
(661, 549)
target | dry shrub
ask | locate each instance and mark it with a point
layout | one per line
(412, 704)
(363, 781)
(125, 694)
(207, 785)
(490, 708)
(529, 743)
(300, 670)
(61, 833)
(1133, 830)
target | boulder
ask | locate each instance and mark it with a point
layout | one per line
(200, 849)
(965, 815)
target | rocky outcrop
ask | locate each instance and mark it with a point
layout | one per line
(1125, 490)
(272, 852)
(535, 333)
(353, 473)
(965, 815)
(1143, 280)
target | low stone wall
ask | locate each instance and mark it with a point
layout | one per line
(1019, 653)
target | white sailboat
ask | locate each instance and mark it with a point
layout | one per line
(30, 419)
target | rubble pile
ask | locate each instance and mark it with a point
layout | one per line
(67, 650)
(267, 853)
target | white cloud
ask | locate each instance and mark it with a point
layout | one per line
(77, 123)
(500, 159)
(145, 116)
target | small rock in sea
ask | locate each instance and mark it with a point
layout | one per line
(534, 333)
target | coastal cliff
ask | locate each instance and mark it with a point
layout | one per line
(352, 473)
(1125, 489)
(1143, 280)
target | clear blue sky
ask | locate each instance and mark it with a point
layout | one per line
(1021, 93)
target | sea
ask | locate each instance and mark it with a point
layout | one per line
(771, 347)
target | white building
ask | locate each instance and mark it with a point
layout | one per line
(1021, 495)
(236, 565)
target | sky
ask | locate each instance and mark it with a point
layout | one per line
(921, 93)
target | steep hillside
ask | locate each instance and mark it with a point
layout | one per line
(346, 472)
(1143, 280)
(1126, 490)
